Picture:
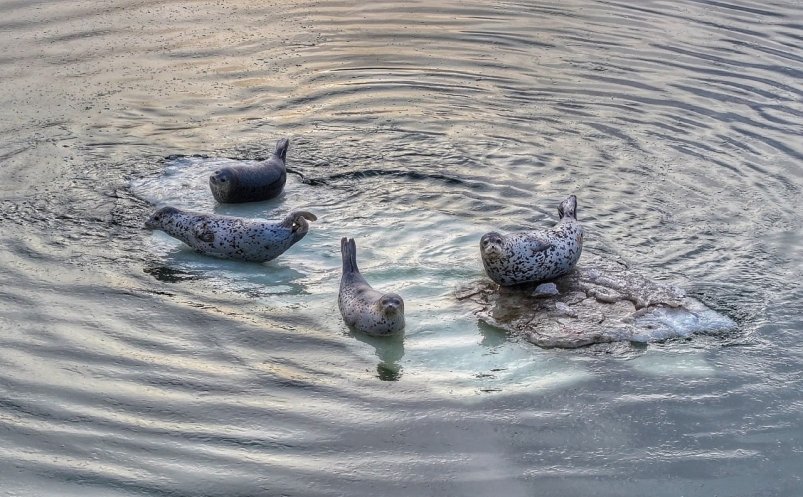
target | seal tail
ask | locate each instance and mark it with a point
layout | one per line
(349, 251)
(281, 148)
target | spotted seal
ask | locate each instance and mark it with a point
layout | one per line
(264, 181)
(362, 307)
(232, 237)
(533, 256)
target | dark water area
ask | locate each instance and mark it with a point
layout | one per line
(132, 366)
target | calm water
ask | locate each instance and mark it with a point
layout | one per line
(132, 366)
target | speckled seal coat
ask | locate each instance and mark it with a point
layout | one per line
(263, 181)
(232, 237)
(533, 256)
(363, 308)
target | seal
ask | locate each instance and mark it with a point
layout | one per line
(264, 181)
(230, 237)
(534, 256)
(363, 308)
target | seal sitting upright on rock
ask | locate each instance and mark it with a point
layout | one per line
(362, 307)
(264, 181)
(533, 256)
(232, 237)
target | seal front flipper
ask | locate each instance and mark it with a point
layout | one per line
(202, 232)
(540, 246)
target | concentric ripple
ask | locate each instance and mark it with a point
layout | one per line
(129, 366)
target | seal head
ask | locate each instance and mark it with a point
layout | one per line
(491, 245)
(158, 219)
(264, 181)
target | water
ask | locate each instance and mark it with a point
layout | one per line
(130, 366)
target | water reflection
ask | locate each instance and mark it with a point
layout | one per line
(169, 274)
(492, 336)
(389, 350)
(180, 263)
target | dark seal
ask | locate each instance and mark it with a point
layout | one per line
(264, 181)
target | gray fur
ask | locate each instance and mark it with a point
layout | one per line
(232, 237)
(363, 308)
(264, 181)
(534, 256)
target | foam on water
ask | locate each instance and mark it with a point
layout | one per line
(662, 323)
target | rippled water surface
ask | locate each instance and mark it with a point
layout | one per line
(130, 365)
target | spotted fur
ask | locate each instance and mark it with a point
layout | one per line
(534, 256)
(263, 181)
(232, 237)
(363, 308)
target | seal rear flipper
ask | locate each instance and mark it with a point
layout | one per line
(349, 251)
(281, 148)
(202, 232)
(568, 207)
(353, 252)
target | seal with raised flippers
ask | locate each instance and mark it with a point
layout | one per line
(534, 256)
(230, 237)
(263, 181)
(363, 308)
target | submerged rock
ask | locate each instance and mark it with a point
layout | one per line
(601, 301)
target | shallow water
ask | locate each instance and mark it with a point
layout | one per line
(132, 366)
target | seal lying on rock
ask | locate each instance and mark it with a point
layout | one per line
(601, 301)
(264, 181)
(534, 256)
(362, 307)
(232, 237)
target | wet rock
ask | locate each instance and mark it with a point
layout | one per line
(601, 301)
